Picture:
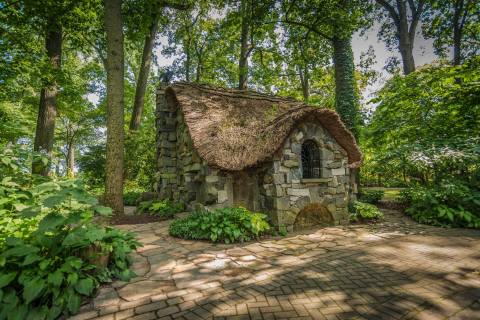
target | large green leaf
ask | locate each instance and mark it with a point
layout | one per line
(73, 301)
(21, 250)
(104, 211)
(85, 286)
(50, 221)
(19, 313)
(54, 200)
(6, 278)
(32, 289)
(55, 278)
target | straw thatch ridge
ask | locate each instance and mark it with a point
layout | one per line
(233, 129)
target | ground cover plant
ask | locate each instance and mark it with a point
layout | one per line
(53, 249)
(371, 196)
(450, 203)
(221, 225)
(161, 208)
(364, 212)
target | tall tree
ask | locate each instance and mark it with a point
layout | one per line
(156, 7)
(143, 74)
(115, 105)
(402, 17)
(246, 45)
(335, 21)
(454, 23)
(252, 15)
(346, 100)
(47, 111)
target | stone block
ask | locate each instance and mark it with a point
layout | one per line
(296, 148)
(279, 191)
(278, 178)
(281, 203)
(291, 163)
(193, 167)
(267, 179)
(222, 196)
(327, 154)
(338, 172)
(286, 218)
(299, 136)
(210, 179)
(340, 201)
(334, 165)
(298, 192)
(326, 173)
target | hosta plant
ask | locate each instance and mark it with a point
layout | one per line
(51, 243)
(221, 225)
(162, 208)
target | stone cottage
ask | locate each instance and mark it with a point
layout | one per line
(219, 147)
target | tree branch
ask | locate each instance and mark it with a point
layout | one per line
(308, 27)
(465, 14)
(391, 11)
(415, 18)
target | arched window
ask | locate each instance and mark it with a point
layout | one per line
(310, 160)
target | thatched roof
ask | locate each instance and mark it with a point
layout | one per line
(233, 129)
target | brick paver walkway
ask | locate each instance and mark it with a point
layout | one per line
(393, 270)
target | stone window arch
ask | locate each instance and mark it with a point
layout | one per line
(310, 160)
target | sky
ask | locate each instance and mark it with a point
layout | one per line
(423, 54)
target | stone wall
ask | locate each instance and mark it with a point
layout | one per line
(166, 114)
(182, 174)
(283, 191)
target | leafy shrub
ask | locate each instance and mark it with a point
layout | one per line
(163, 208)
(130, 198)
(450, 203)
(371, 196)
(364, 212)
(53, 251)
(221, 225)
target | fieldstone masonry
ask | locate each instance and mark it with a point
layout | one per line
(275, 187)
(285, 193)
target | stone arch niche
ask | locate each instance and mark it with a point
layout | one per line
(313, 214)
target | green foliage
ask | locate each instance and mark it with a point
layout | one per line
(164, 208)
(364, 212)
(426, 126)
(449, 203)
(221, 225)
(130, 198)
(51, 244)
(371, 196)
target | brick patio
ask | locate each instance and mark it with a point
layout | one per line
(393, 270)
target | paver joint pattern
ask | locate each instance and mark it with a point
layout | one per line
(392, 270)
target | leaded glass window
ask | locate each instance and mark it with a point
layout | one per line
(310, 160)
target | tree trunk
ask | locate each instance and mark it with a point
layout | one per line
(304, 81)
(115, 91)
(406, 51)
(457, 33)
(143, 75)
(405, 39)
(346, 102)
(47, 111)
(244, 50)
(187, 65)
(70, 160)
